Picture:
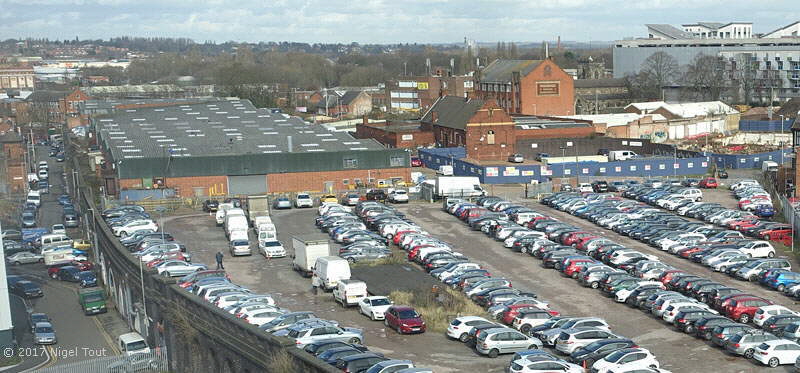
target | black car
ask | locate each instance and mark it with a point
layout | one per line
(13, 247)
(588, 355)
(722, 174)
(210, 205)
(27, 289)
(68, 273)
(600, 186)
(376, 195)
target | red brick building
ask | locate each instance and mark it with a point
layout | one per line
(398, 134)
(529, 87)
(14, 154)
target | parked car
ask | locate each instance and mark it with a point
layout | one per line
(173, 268)
(210, 205)
(318, 331)
(778, 352)
(281, 203)
(416, 162)
(503, 341)
(26, 289)
(516, 158)
(44, 334)
(374, 307)
(404, 319)
(24, 257)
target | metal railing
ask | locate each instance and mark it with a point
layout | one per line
(144, 362)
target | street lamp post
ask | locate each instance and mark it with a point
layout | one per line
(675, 161)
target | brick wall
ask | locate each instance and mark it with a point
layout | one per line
(13, 151)
(315, 181)
(394, 139)
(184, 186)
(554, 133)
(535, 104)
(16, 176)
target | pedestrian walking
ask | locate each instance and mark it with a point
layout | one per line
(314, 284)
(219, 260)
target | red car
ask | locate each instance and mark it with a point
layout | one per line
(708, 183)
(416, 162)
(741, 224)
(667, 276)
(404, 319)
(83, 265)
(511, 312)
(575, 266)
(777, 233)
(743, 309)
(573, 237)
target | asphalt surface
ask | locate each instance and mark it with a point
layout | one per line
(275, 276)
(80, 337)
(675, 350)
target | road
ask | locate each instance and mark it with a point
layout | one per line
(79, 337)
(676, 351)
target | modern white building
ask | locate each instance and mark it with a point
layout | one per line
(792, 30)
(701, 30)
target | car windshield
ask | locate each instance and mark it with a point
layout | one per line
(272, 243)
(86, 275)
(408, 314)
(240, 243)
(381, 302)
(303, 196)
(28, 286)
(93, 298)
(44, 329)
(615, 356)
(138, 345)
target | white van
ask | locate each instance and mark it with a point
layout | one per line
(266, 232)
(235, 223)
(445, 170)
(350, 292)
(239, 235)
(35, 197)
(132, 343)
(621, 155)
(263, 219)
(221, 209)
(330, 270)
(54, 240)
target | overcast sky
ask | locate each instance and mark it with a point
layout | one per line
(376, 21)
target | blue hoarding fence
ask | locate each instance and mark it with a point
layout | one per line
(765, 125)
(133, 195)
(749, 160)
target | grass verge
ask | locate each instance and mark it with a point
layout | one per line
(438, 309)
(11, 361)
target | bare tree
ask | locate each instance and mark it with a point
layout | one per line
(743, 75)
(704, 78)
(658, 71)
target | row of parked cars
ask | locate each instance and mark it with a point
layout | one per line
(155, 249)
(585, 341)
(693, 304)
(753, 198)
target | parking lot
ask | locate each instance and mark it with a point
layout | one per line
(291, 291)
(676, 351)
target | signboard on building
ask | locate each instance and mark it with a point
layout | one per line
(491, 171)
(407, 137)
(511, 171)
(527, 173)
(422, 85)
(546, 171)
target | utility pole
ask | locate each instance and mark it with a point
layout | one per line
(577, 172)
(675, 163)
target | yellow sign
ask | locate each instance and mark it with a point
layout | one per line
(422, 85)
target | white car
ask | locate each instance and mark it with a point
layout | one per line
(779, 352)
(758, 249)
(133, 226)
(585, 188)
(625, 360)
(763, 313)
(42, 174)
(374, 307)
(622, 295)
(172, 268)
(303, 200)
(543, 366)
(271, 249)
(398, 196)
(262, 316)
(460, 327)
(58, 229)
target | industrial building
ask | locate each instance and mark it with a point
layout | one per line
(228, 147)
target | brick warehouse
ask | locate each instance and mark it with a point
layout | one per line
(395, 134)
(528, 87)
(228, 147)
(487, 132)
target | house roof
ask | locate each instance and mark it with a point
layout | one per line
(686, 110)
(349, 96)
(600, 83)
(452, 111)
(790, 109)
(670, 31)
(501, 70)
(780, 29)
(46, 96)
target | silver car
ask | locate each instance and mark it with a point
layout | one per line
(504, 341)
(572, 339)
(43, 333)
(745, 343)
(24, 257)
(317, 332)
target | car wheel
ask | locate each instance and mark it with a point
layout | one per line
(493, 353)
(54, 276)
(771, 254)
(386, 323)
(767, 237)
(753, 278)
(744, 318)
(351, 260)
(40, 260)
(372, 317)
(707, 336)
(748, 354)
(653, 366)
(774, 362)
(168, 274)
(463, 337)
(17, 263)
(781, 287)
(574, 275)
(689, 329)
(595, 285)
(355, 341)
(525, 329)
(123, 234)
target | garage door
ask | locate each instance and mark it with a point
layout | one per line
(250, 184)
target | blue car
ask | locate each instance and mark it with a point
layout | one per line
(764, 211)
(784, 280)
(87, 279)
